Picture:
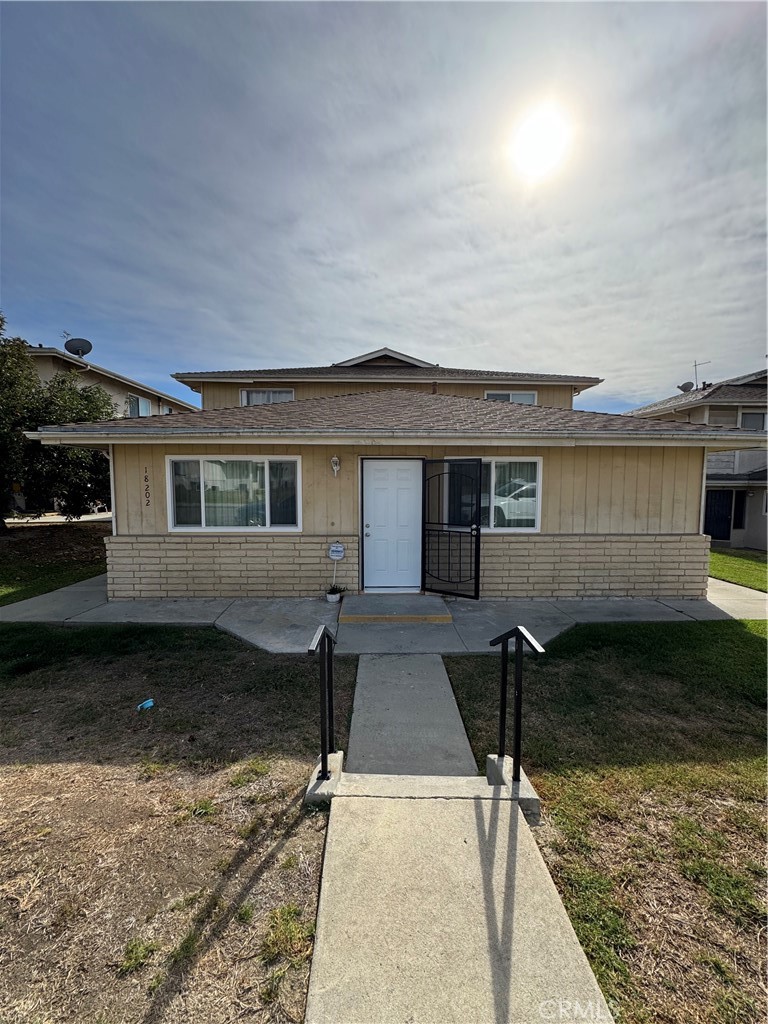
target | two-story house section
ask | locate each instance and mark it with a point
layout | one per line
(735, 511)
(379, 371)
(391, 474)
(131, 398)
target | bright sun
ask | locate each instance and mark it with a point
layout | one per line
(541, 141)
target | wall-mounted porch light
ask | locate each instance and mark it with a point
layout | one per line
(335, 464)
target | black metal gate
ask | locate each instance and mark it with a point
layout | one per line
(718, 512)
(451, 542)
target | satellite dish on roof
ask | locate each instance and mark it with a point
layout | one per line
(686, 387)
(78, 346)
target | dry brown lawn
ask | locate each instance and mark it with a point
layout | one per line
(156, 866)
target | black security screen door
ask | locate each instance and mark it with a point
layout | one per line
(451, 543)
(718, 513)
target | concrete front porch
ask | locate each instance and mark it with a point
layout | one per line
(457, 626)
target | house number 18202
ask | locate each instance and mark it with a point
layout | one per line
(147, 491)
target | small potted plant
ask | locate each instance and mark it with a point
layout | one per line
(333, 594)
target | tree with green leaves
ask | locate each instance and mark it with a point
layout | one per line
(70, 479)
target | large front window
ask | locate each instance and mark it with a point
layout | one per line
(234, 494)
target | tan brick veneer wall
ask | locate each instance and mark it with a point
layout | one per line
(295, 565)
(277, 565)
(592, 565)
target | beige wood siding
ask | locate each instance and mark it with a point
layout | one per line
(223, 395)
(585, 490)
(47, 366)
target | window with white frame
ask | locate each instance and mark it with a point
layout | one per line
(234, 494)
(510, 487)
(265, 396)
(521, 397)
(135, 406)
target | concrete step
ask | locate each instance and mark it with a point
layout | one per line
(394, 608)
(420, 787)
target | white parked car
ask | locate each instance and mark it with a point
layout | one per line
(514, 504)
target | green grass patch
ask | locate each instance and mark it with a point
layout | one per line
(738, 565)
(185, 950)
(201, 809)
(137, 954)
(18, 582)
(598, 920)
(646, 743)
(253, 769)
(28, 649)
(288, 937)
(245, 913)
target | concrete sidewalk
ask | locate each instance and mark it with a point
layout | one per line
(405, 719)
(283, 625)
(442, 912)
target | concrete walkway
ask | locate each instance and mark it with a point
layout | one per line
(735, 601)
(436, 906)
(405, 720)
(442, 912)
(282, 625)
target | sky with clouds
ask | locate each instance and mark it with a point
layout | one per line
(224, 186)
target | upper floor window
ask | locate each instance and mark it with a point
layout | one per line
(723, 417)
(265, 396)
(753, 420)
(521, 397)
(234, 493)
(166, 410)
(135, 406)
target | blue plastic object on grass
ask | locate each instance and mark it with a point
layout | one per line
(146, 705)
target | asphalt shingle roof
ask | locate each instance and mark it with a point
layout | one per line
(724, 392)
(394, 412)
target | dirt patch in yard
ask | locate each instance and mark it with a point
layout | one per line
(53, 543)
(37, 558)
(157, 866)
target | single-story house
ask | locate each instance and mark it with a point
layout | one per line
(736, 505)
(467, 482)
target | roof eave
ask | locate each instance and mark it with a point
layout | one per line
(351, 436)
(426, 378)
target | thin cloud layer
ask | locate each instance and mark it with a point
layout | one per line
(210, 186)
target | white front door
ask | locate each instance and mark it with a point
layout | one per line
(391, 519)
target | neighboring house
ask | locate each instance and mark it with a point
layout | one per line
(130, 397)
(468, 482)
(735, 510)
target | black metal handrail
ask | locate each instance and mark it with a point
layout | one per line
(325, 641)
(521, 636)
